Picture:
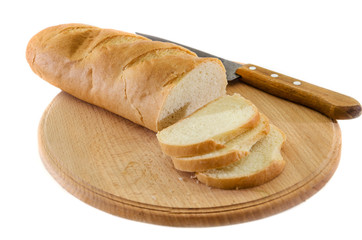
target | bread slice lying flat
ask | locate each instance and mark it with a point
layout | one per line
(264, 163)
(210, 127)
(234, 150)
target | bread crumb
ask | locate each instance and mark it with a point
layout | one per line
(153, 197)
(197, 181)
(193, 176)
(180, 178)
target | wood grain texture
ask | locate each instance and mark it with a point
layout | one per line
(118, 167)
(332, 104)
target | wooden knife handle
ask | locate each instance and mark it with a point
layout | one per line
(330, 103)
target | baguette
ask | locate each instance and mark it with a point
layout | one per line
(151, 83)
(263, 164)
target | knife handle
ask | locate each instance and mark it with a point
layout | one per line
(330, 103)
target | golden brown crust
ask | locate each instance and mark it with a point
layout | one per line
(256, 179)
(203, 164)
(91, 64)
(191, 150)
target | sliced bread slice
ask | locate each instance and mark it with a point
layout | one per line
(234, 150)
(210, 127)
(264, 163)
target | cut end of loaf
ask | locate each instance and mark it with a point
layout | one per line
(195, 89)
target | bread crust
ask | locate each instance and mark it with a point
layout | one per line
(191, 150)
(253, 180)
(80, 60)
(204, 164)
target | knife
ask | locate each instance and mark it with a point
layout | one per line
(327, 102)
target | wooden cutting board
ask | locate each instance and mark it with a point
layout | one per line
(118, 167)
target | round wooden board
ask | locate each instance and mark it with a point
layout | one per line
(118, 167)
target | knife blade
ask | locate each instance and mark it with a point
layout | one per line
(332, 104)
(230, 66)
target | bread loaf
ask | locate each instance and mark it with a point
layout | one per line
(156, 84)
(210, 127)
(151, 83)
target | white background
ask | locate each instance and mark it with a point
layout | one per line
(316, 41)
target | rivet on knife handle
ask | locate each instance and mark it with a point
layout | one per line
(330, 103)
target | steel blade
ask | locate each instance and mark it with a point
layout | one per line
(230, 66)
